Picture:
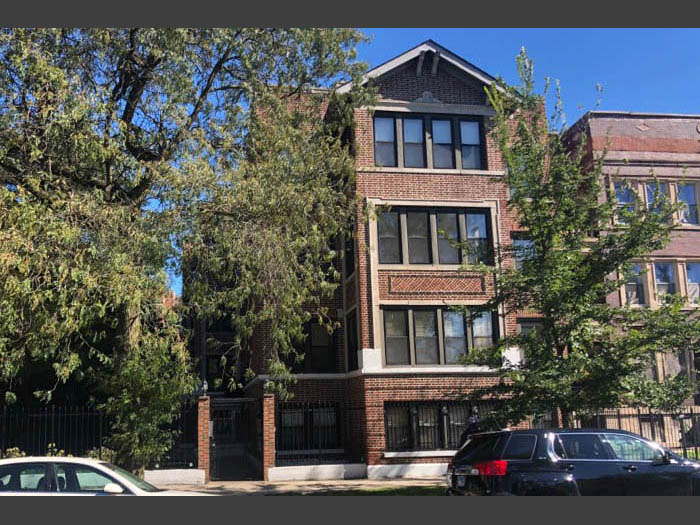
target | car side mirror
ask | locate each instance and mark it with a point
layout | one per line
(112, 488)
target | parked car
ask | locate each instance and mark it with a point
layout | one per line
(576, 462)
(63, 476)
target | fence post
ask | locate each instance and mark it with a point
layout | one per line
(203, 459)
(268, 434)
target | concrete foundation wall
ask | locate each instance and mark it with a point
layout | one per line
(189, 476)
(407, 470)
(318, 472)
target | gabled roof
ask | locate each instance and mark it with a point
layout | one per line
(427, 46)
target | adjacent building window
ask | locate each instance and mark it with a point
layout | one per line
(389, 230)
(432, 336)
(624, 195)
(471, 145)
(419, 244)
(349, 255)
(634, 287)
(447, 226)
(693, 271)
(652, 205)
(522, 250)
(687, 195)
(413, 143)
(665, 278)
(318, 348)
(384, 141)
(528, 326)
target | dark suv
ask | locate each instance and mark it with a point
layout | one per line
(579, 462)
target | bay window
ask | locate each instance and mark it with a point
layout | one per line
(693, 271)
(665, 277)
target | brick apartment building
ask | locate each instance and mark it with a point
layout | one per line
(381, 396)
(383, 391)
(639, 146)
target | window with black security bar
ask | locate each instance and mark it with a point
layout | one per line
(427, 425)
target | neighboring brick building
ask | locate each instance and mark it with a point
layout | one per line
(669, 146)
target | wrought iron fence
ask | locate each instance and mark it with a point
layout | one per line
(82, 431)
(677, 431)
(311, 433)
(77, 431)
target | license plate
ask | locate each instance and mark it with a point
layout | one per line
(461, 481)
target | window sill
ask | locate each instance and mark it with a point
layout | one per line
(429, 267)
(431, 171)
(421, 454)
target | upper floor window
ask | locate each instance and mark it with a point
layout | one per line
(665, 277)
(693, 271)
(413, 143)
(624, 195)
(318, 348)
(416, 229)
(428, 141)
(443, 148)
(688, 196)
(522, 250)
(384, 141)
(634, 287)
(651, 189)
(471, 145)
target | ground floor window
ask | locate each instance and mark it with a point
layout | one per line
(307, 426)
(427, 425)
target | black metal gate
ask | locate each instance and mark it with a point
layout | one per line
(235, 439)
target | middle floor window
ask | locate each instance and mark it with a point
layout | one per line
(432, 336)
(430, 236)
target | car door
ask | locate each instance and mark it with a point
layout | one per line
(25, 479)
(587, 459)
(77, 479)
(643, 469)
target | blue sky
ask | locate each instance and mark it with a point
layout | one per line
(646, 70)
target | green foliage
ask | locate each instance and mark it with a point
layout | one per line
(126, 151)
(587, 355)
(13, 452)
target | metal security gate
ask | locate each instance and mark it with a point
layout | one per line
(234, 444)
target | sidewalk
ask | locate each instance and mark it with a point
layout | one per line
(364, 487)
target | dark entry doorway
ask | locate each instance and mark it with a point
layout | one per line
(235, 441)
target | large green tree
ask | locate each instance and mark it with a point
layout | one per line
(124, 152)
(586, 355)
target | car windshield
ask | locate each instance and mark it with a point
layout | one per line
(133, 479)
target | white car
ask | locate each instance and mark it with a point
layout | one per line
(64, 476)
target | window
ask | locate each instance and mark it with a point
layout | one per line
(448, 232)
(80, 478)
(665, 279)
(628, 448)
(438, 141)
(426, 337)
(349, 255)
(31, 477)
(443, 149)
(625, 197)
(419, 245)
(396, 337)
(482, 330)
(477, 238)
(389, 229)
(415, 229)
(583, 446)
(651, 191)
(304, 427)
(318, 348)
(430, 342)
(522, 250)
(455, 336)
(425, 425)
(528, 326)
(687, 195)
(413, 143)
(520, 446)
(384, 141)
(634, 287)
(351, 328)
(471, 145)
(693, 271)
